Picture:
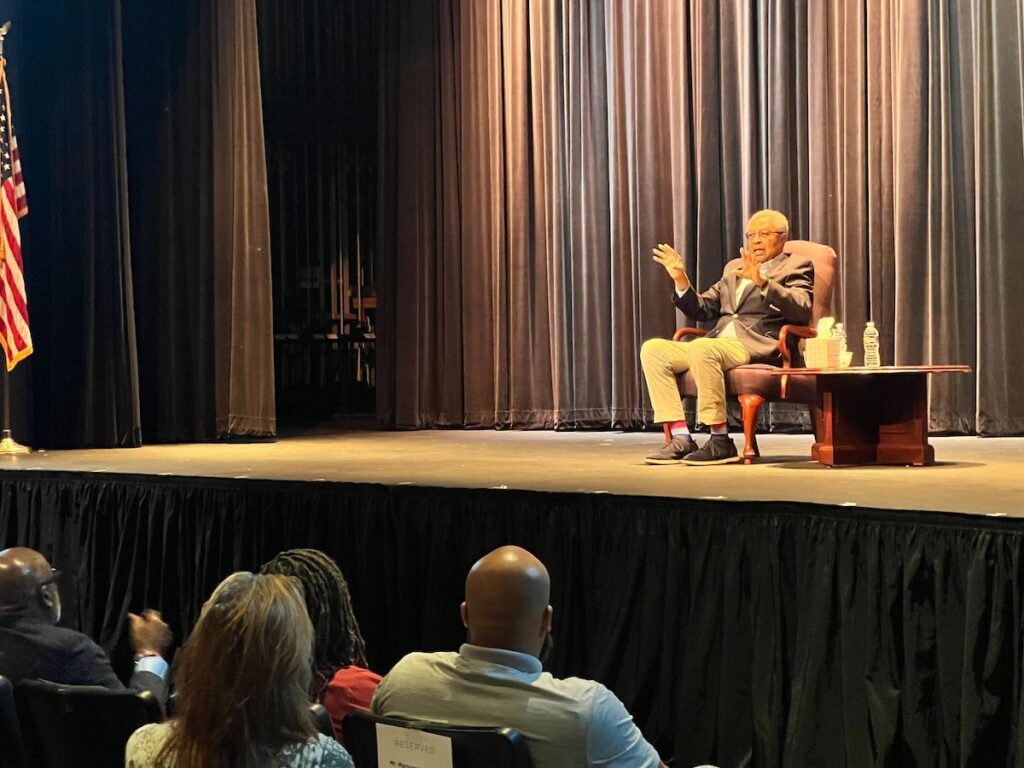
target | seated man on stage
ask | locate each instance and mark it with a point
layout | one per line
(33, 646)
(497, 679)
(758, 293)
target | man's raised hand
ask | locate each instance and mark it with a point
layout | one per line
(751, 268)
(670, 259)
(149, 633)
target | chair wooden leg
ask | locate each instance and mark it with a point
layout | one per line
(750, 404)
(668, 433)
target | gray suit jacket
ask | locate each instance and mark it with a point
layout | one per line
(788, 297)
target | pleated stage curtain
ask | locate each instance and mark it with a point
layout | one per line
(532, 154)
(80, 387)
(768, 634)
(146, 248)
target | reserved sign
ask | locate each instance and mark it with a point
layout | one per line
(409, 748)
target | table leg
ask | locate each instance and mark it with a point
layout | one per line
(903, 421)
(869, 419)
(850, 433)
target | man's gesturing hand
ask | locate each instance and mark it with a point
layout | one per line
(149, 633)
(751, 268)
(667, 256)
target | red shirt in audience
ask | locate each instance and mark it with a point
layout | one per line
(351, 688)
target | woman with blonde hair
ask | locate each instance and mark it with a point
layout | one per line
(243, 686)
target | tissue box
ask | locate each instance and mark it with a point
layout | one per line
(821, 353)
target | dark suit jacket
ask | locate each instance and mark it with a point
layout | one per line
(788, 299)
(33, 648)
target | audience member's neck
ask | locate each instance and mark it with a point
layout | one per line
(506, 644)
(11, 613)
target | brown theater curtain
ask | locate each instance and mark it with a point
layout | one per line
(243, 316)
(534, 152)
(199, 221)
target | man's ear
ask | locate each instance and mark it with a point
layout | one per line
(464, 613)
(545, 621)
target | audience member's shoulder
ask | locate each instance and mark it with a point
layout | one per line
(579, 688)
(144, 745)
(420, 659)
(319, 752)
(79, 644)
(333, 754)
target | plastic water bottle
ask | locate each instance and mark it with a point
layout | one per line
(871, 356)
(838, 332)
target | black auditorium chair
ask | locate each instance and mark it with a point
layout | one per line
(80, 725)
(323, 719)
(472, 747)
(12, 753)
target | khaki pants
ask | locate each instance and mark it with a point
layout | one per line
(706, 359)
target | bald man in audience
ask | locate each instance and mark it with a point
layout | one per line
(496, 679)
(32, 646)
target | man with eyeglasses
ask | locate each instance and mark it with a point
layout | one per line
(761, 291)
(32, 646)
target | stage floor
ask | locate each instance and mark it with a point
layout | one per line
(972, 475)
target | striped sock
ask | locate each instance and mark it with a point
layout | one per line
(720, 429)
(679, 429)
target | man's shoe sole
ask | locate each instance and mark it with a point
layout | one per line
(663, 462)
(699, 463)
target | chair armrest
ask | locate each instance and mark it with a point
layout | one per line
(687, 331)
(793, 331)
(785, 334)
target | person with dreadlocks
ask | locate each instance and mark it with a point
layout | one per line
(341, 680)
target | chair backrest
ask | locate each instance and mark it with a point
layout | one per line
(12, 753)
(825, 260)
(81, 725)
(472, 747)
(322, 718)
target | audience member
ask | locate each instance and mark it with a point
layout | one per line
(496, 679)
(33, 646)
(243, 686)
(341, 681)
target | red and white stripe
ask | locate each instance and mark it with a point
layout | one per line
(14, 331)
(20, 201)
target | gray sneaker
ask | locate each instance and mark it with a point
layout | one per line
(674, 452)
(719, 449)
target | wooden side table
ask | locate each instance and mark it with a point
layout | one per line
(873, 415)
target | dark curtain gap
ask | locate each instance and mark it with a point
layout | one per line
(766, 634)
(532, 155)
(318, 63)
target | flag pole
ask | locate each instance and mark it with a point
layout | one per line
(8, 445)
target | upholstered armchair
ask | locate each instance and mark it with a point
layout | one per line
(752, 385)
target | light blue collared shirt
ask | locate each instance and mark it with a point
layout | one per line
(570, 723)
(154, 664)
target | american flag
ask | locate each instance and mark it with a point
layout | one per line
(14, 333)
